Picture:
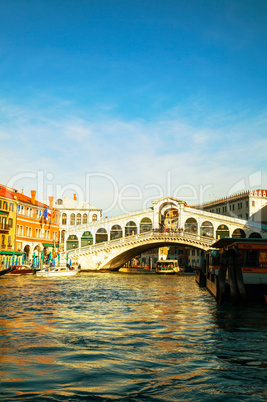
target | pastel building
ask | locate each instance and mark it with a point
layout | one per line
(8, 208)
(73, 214)
(29, 232)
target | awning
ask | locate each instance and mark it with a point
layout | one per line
(49, 245)
(4, 212)
(11, 253)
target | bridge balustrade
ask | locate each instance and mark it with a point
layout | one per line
(152, 234)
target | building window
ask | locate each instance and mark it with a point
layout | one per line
(79, 219)
(94, 217)
(253, 203)
(10, 222)
(5, 205)
(72, 219)
(84, 218)
(64, 219)
(11, 207)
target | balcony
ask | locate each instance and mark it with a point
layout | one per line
(4, 228)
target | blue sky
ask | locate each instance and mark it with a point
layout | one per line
(126, 101)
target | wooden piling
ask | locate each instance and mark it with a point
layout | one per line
(222, 277)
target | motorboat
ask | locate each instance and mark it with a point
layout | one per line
(136, 269)
(20, 270)
(56, 272)
(167, 267)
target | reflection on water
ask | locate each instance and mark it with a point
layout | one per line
(127, 337)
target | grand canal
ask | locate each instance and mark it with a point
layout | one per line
(109, 336)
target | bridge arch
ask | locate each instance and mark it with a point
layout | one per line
(207, 229)
(222, 231)
(145, 225)
(116, 232)
(239, 233)
(130, 229)
(255, 235)
(117, 261)
(191, 225)
(101, 235)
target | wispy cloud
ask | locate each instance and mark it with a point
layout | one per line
(135, 153)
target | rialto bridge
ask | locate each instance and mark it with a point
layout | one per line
(111, 242)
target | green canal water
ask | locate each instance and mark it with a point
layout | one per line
(111, 336)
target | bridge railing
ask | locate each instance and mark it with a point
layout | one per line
(154, 234)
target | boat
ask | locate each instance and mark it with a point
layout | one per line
(56, 272)
(6, 271)
(167, 267)
(20, 270)
(237, 268)
(137, 269)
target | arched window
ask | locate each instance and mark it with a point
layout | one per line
(5, 205)
(62, 236)
(94, 217)
(145, 225)
(239, 233)
(79, 219)
(84, 218)
(255, 235)
(207, 229)
(222, 232)
(11, 207)
(101, 235)
(72, 219)
(64, 219)
(59, 201)
(190, 225)
(130, 229)
(116, 232)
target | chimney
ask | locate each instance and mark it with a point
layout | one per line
(75, 197)
(51, 202)
(33, 195)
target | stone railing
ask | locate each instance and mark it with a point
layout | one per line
(182, 236)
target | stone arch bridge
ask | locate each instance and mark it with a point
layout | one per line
(109, 243)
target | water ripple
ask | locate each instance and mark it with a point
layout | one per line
(104, 337)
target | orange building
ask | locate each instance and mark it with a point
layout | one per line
(7, 227)
(37, 227)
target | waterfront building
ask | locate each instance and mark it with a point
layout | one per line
(179, 253)
(35, 234)
(250, 205)
(74, 213)
(8, 209)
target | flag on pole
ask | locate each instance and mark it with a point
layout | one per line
(53, 214)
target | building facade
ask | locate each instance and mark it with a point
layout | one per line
(8, 212)
(249, 205)
(74, 213)
(179, 253)
(33, 228)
